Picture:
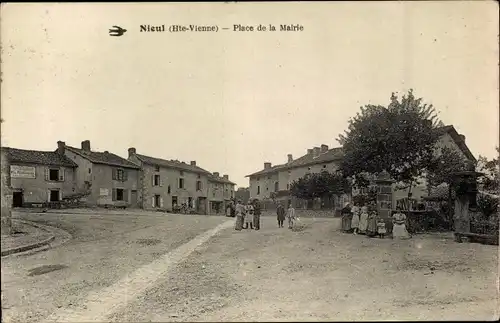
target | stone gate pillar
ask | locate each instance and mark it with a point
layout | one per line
(6, 224)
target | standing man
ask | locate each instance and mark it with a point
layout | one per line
(290, 214)
(256, 214)
(280, 211)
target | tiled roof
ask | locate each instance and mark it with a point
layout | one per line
(308, 159)
(171, 164)
(105, 158)
(219, 179)
(38, 157)
(336, 154)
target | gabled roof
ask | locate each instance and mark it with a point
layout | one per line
(49, 158)
(308, 159)
(457, 139)
(105, 158)
(219, 179)
(335, 154)
(171, 164)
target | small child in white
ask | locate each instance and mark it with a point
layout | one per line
(381, 228)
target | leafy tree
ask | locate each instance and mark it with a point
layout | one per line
(398, 139)
(490, 182)
(317, 185)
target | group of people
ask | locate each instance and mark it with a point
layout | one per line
(363, 219)
(289, 213)
(247, 215)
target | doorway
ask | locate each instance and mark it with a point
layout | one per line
(54, 195)
(17, 199)
(133, 198)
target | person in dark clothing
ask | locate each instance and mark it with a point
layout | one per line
(256, 214)
(280, 211)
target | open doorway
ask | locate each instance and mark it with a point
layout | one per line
(54, 195)
(17, 199)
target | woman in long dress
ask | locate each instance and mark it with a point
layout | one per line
(363, 219)
(399, 225)
(280, 212)
(346, 218)
(240, 212)
(371, 229)
(355, 219)
(256, 214)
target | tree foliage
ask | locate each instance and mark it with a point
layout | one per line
(490, 182)
(322, 184)
(398, 139)
(444, 164)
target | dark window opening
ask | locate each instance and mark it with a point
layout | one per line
(157, 180)
(54, 174)
(181, 182)
(198, 185)
(324, 166)
(119, 194)
(168, 189)
(17, 199)
(174, 200)
(90, 170)
(54, 195)
(157, 201)
(258, 190)
(119, 174)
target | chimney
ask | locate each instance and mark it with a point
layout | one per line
(316, 151)
(290, 158)
(216, 174)
(131, 152)
(267, 165)
(226, 177)
(462, 137)
(309, 151)
(61, 147)
(193, 163)
(324, 148)
(86, 145)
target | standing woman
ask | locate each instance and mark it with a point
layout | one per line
(399, 225)
(355, 218)
(346, 218)
(371, 229)
(280, 211)
(240, 212)
(256, 214)
(363, 219)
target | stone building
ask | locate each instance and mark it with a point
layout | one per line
(220, 193)
(274, 181)
(165, 184)
(109, 179)
(40, 177)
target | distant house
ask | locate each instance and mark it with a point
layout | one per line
(243, 194)
(275, 180)
(220, 193)
(40, 177)
(110, 179)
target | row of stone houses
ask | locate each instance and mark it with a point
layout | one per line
(39, 178)
(274, 181)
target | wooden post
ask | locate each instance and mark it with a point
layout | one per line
(6, 223)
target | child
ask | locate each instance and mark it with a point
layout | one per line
(249, 217)
(290, 214)
(381, 228)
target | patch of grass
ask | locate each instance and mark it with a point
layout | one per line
(45, 269)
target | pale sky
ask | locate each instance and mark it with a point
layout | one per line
(233, 100)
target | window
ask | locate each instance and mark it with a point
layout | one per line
(119, 194)
(90, 170)
(157, 168)
(181, 182)
(156, 180)
(198, 186)
(54, 195)
(258, 190)
(157, 201)
(119, 174)
(54, 174)
(174, 200)
(276, 186)
(168, 189)
(324, 166)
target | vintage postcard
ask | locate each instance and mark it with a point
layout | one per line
(249, 161)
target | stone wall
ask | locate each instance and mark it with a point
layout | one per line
(6, 195)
